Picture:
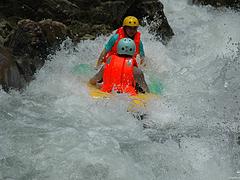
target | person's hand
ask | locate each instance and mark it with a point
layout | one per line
(142, 62)
(99, 85)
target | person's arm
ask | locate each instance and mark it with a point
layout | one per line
(142, 54)
(140, 80)
(99, 61)
(107, 48)
(97, 77)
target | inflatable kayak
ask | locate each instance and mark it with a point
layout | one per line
(152, 78)
(137, 103)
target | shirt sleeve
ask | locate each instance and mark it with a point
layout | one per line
(111, 42)
(142, 53)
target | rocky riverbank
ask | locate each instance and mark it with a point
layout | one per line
(31, 30)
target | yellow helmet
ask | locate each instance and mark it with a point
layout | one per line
(130, 21)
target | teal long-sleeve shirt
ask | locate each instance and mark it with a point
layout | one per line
(114, 38)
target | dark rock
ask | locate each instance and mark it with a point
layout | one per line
(54, 32)
(153, 11)
(82, 15)
(30, 41)
(10, 76)
(5, 29)
(29, 44)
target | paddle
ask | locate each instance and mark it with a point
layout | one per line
(83, 69)
(154, 84)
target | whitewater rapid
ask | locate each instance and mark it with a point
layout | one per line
(54, 130)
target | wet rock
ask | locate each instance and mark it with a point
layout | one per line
(55, 32)
(10, 76)
(29, 44)
(82, 15)
(153, 11)
(41, 26)
(5, 29)
(3, 66)
(27, 39)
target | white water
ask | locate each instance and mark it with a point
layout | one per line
(54, 130)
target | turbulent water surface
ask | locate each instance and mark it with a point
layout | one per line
(54, 130)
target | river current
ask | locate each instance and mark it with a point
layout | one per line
(55, 130)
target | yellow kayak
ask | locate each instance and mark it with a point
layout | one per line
(137, 103)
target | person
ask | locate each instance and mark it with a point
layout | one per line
(128, 29)
(121, 73)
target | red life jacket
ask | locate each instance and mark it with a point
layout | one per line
(118, 75)
(121, 34)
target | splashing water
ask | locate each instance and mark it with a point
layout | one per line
(54, 130)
